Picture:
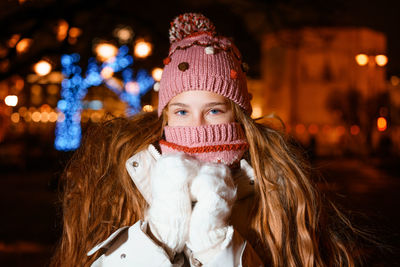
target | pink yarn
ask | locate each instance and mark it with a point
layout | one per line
(209, 61)
(188, 23)
(224, 143)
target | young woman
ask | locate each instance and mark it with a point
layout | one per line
(199, 183)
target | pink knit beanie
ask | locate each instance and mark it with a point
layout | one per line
(199, 59)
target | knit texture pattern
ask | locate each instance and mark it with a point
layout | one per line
(203, 61)
(218, 143)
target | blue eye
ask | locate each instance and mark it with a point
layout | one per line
(215, 111)
(181, 112)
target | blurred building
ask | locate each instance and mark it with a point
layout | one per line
(320, 81)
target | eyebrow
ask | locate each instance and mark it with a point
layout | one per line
(178, 104)
(211, 104)
(216, 104)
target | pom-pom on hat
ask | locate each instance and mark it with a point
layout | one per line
(199, 59)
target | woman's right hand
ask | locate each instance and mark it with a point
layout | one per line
(170, 209)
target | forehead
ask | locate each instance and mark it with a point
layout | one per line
(197, 96)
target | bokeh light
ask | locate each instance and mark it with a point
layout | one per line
(62, 30)
(142, 49)
(23, 45)
(36, 116)
(395, 80)
(15, 117)
(22, 111)
(132, 87)
(106, 51)
(148, 108)
(11, 100)
(124, 34)
(156, 86)
(19, 84)
(75, 32)
(157, 73)
(53, 116)
(362, 59)
(381, 124)
(13, 40)
(257, 112)
(107, 72)
(42, 68)
(381, 60)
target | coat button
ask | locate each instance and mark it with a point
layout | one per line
(197, 263)
(123, 256)
(135, 164)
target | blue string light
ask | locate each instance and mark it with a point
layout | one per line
(74, 87)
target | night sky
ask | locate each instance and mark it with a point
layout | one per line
(244, 20)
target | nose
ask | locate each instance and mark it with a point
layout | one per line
(198, 120)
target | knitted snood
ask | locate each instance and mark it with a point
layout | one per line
(217, 143)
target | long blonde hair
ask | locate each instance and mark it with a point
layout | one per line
(289, 227)
(288, 219)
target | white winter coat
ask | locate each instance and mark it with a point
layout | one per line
(131, 246)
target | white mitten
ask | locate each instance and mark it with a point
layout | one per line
(215, 193)
(170, 208)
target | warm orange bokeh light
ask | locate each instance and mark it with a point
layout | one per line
(22, 111)
(395, 80)
(42, 68)
(124, 34)
(23, 45)
(362, 59)
(106, 51)
(381, 124)
(13, 40)
(381, 60)
(11, 100)
(19, 84)
(107, 72)
(142, 49)
(157, 73)
(44, 116)
(62, 30)
(257, 112)
(15, 117)
(75, 32)
(36, 116)
(148, 108)
(53, 116)
(45, 108)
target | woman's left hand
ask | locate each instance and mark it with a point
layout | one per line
(215, 193)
